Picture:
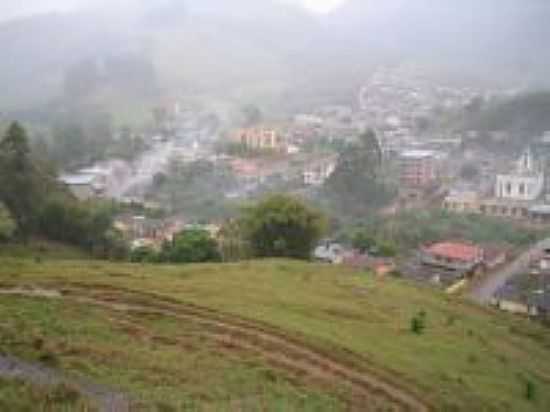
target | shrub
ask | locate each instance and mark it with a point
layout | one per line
(530, 390)
(191, 246)
(418, 323)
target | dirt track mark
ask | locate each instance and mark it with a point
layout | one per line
(366, 388)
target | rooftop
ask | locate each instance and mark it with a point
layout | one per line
(77, 179)
(455, 251)
(540, 209)
(417, 154)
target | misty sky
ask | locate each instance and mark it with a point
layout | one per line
(10, 9)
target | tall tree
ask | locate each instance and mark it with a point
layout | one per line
(18, 179)
(356, 181)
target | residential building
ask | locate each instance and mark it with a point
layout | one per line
(539, 214)
(261, 138)
(319, 170)
(143, 231)
(83, 186)
(98, 180)
(453, 255)
(329, 252)
(417, 168)
(495, 255)
(462, 201)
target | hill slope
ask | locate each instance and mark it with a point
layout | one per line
(274, 333)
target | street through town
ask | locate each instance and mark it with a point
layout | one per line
(484, 292)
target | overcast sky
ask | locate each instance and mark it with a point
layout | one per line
(10, 8)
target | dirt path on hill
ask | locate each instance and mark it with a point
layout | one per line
(366, 389)
(105, 398)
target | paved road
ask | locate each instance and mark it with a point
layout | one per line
(107, 399)
(483, 292)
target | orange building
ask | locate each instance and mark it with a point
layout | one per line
(260, 138)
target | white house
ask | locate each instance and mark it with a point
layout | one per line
(83, 186)
(329, 252)
(526, 183)
(319, 170)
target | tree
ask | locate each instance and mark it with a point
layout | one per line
(7, 224)
(18, 179)
(283, 226)
(233, 245)
(356, 182)
(144, 254)
(191, 246)
(363, 241)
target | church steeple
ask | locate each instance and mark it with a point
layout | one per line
(526, 164)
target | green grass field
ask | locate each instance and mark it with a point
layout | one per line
(19, 396)
(467, 358)
(41, 250)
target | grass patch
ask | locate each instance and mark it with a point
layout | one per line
(18, 396)
(467, 357)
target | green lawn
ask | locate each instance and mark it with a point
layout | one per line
(468, 358)
(41, 249)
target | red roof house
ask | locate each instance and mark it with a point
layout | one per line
(453, 255)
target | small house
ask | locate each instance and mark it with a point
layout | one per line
(453, 255)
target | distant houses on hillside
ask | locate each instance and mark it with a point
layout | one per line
(519, 193)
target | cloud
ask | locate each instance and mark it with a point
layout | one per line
(11, 9)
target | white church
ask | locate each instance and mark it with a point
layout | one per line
(525, 183)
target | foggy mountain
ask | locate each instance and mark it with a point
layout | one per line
(204, 45)
(250, 50)
(471, 35)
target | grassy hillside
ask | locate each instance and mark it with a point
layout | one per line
(276, 335)
(41, 249)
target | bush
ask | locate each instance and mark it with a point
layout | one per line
(143, 254)
(530, 390)
(191, 246)
(418, 323)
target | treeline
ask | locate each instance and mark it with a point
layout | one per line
(408, 230)
(40, 207)
(278, 226)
